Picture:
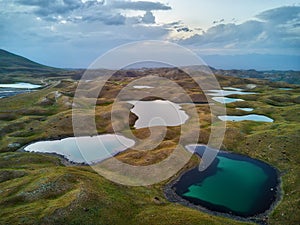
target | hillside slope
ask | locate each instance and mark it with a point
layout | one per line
(15, 68)
(10, 62)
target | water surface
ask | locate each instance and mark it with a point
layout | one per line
(226, 93)
(246, 109)
(20, 86)
(233, 184)
(285, 89)
(92, 149)
(158, 113)
(233, 88)
(141, 86)
(251, 117)
(7, 90)
(225, 100)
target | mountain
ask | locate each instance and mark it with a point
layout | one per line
(11, 63)
(290, 76)
(15, 68)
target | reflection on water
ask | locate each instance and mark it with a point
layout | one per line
(84, 149)
(158, 113)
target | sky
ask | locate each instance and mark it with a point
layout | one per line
(226, 34)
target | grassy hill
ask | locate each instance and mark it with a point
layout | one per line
(11, 63)
(15, 68)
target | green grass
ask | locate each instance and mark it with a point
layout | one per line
(39, 189)
(50, 193)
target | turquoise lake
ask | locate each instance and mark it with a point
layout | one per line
(232, 184)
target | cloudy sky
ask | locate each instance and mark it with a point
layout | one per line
(259, 34)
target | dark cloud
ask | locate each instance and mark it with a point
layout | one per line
(140, 5)
(184, 29)
(218, 21)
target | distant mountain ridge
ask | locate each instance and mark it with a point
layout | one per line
(291, 77)
(10, 62)
(15, 68)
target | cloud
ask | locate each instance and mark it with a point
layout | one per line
(45, 8)
(78, 31)
(148, 17)
(273, 30)
(184, 29)
(76, 11)
(73, 33)
(281, 15)
(140, 5)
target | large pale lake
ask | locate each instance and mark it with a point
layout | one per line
(233, 184)
(92, 149)
(157, 113)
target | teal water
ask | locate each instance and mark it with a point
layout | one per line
(228, 187)
(285, 89)
(232, 184)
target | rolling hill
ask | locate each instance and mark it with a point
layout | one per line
(11, 63)
(15, 68)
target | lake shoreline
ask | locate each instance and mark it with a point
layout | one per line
(261, 219)
(170, 194)
(64, 160)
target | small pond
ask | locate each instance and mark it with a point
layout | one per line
(158, 113)
(251, 117)
(225, 100)
(7, 90)
(233, 88)
(285, 89)
(226, 93)
(233, 184)
(96, 148)
(246, 109)
(142, 86)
